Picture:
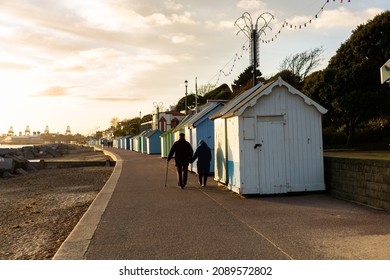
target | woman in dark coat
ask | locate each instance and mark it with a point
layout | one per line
(203, 154)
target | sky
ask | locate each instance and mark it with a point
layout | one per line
(81, 63)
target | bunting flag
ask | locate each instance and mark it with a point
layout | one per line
(287, 24)
(235, 58)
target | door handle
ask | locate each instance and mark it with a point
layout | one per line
(257, 145)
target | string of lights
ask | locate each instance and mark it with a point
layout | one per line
(286, 24)
(235, 58)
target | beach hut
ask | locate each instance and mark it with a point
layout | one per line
(268, 140)
(166, 140)
(143, 141)
(127, 141)
(170, 136)
(201, 127)
(137, 142)
(116, 143)
(121, 142)
(180, 128)
(153, 143)
(104, 142)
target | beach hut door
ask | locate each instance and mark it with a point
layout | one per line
(270, 147)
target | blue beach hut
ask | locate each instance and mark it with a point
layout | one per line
(153, 143)
(201, 127)
(127, 141)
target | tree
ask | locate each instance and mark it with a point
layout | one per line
(301, 64)
(203, 89)
(245, 80)
(350, 85)
(128, 126)
(287, 76)
(190, 102)
(222, 92)
(114, 122)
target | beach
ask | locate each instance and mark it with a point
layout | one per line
(39, 210)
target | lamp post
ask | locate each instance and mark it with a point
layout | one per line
(185, 101)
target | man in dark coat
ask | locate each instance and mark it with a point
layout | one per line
(183, 153)
(203, 154)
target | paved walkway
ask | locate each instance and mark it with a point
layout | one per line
(136, 217)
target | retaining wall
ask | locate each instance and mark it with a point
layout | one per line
(70, 164)
(360, 180)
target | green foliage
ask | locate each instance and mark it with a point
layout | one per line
(128, 127)
(350, 86)
(245, 80)
(289, 77)
(221, 92)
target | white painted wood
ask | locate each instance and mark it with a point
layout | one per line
(269, 141)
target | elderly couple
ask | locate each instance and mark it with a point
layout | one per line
(184, 156)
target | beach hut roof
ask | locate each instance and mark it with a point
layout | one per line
(249, 98)
(204, 110)
(183, 122)
(167, 132)
(151, 132)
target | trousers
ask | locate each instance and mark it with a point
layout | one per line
(182, 175)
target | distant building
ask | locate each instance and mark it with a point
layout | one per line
(167, 120)
(10, 131)
(68, 132)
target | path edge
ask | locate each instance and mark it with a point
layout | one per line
(77, 243)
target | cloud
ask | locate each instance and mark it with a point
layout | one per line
(184, 18)
(154, 58)
(14, 66)
(172, 5)
(114, 99)
(72, 68)
(179, 38)
(159, 19)
(54, 91)
(251, 5)
(221, 25)
(343, 18)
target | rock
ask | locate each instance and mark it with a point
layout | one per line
(5, 151)
(21, 171)
(20, 162)
(28, 153)
(7, 164)
(31, 168)
(7, 175)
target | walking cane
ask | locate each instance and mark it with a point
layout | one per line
(166, 175)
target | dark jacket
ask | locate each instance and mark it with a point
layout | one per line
(203, 154)
(183, 152)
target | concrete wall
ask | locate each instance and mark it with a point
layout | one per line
(363, 181)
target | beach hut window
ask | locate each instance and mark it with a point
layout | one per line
(249, 128)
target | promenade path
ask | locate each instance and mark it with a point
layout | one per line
(136, 217)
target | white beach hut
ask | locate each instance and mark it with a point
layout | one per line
(268, 140)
